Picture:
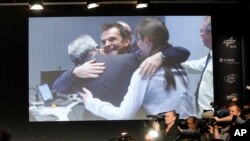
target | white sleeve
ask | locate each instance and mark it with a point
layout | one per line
(194, 66)
(129, 106)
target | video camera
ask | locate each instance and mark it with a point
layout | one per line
(158, 117)
(204, 124)
(215, 106)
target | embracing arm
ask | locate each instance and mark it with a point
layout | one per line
(64, 82)
(196, 66)
(128, 108)
(175, 55)
(170, 57)
(89, 69)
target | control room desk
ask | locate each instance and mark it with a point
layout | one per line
(71, 112)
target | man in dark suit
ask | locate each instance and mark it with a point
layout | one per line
(114, 80)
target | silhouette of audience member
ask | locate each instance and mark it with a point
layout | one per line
(192, 132)
(192, 123)
(4, 135)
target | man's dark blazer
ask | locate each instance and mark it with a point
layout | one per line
(111, 86)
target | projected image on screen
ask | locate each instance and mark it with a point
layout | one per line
(119, 68)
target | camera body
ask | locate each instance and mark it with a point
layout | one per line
(215, 106)
(158, 117)
(205, 123)
(211, 121)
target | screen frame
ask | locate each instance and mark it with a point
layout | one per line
(14, 103)
(117, 18)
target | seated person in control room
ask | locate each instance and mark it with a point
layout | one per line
(168, 89)
(116, 42)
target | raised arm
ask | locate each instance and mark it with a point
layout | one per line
(65, 82)
(171, 56)
(175, 55)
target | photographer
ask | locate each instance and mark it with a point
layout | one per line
(191, 130)
(220, 112)
(234, 115)
(192, 123)
(233, 118)
(169, 132)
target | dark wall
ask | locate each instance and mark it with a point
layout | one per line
(246, 49)
(14, 67)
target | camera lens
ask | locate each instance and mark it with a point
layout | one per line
(211, 121)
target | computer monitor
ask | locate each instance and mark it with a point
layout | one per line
(49, 77)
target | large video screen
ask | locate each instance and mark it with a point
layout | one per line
(89, 68)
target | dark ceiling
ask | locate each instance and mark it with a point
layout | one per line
(12, 3)
(121, 1)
